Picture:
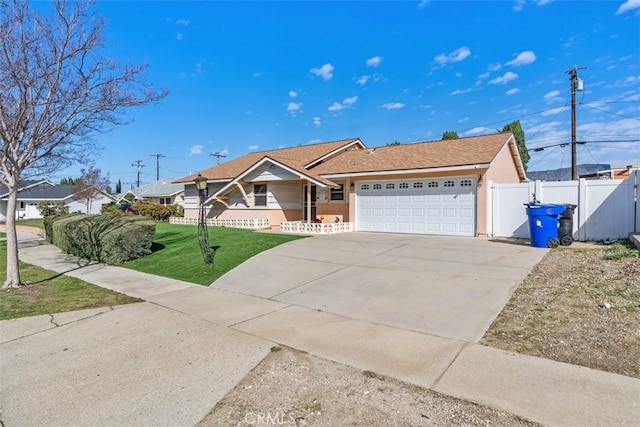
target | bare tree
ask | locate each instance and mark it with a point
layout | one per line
(57, 89)
(89, 186)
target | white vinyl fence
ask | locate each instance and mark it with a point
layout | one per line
(607, 209)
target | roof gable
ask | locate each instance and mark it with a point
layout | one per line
(300, 156)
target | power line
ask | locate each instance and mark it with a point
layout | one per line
(609, 112)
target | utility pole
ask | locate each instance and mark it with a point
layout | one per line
(576, 84)
(138, 164)
(217, 154)
(157, 156)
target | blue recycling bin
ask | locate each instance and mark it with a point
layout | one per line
(543, 224)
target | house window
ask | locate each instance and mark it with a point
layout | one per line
(337, 193)
(432, 184)
(417, 185)
(364, 187)
(166, 201)
(391, 186)
(449, 184)
(21, 205)
(403, 185)
(465, 183)
(260, 195)
(377, 186)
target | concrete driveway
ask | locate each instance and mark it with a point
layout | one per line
(452, 287)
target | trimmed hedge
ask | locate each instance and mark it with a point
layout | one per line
(156, 211)
(112, 239)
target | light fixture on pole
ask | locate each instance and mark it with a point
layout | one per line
(203, 233)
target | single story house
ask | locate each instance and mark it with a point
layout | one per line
(617, 170)
(163, 192)
(33, 192)
(438, 187)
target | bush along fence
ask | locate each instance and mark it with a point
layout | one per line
(112, 239)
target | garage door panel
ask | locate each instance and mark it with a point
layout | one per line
(465, 213)
(425, 206)
(449, 213)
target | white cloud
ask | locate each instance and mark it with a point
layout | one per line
(253, 147)
(393, 105)
(483, 76)
(512, 91)
(363, 80)
(293, 94)
(374, 62)
(317, 121)
(519, 5)
(494, 67)
(524, 58)
(460, 91)
(326, 71)
(456, 56)
(350, 101)
(196, 149)
(554, 111)
(553, 94)
(179, 36)
(183, 22)
(464, 119)
(506, 78)
(294, 107)
(423, 3)
(627, 6)
(476, 131)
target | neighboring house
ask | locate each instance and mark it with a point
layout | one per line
(426, 188)
(162, 192)
(31, 195)
(617, 170)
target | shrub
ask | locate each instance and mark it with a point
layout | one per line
(111, 239)
(47, 209)
(110, 209)
(52, 231)
(154, 211)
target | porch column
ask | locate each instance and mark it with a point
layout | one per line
(308, 202)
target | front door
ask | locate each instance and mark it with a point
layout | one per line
(313, 203)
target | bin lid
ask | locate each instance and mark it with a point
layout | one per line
(545, 208)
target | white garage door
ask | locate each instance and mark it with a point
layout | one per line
(421, 206)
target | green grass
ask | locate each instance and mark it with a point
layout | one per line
(176, 252)
(621, 249)
(48, 292)
(32, 223)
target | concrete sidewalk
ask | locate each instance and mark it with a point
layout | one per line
(541, 390)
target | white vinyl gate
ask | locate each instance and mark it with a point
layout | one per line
(421, 206)
(607, 209)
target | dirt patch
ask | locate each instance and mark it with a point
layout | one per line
(577, 306)
(293, 388)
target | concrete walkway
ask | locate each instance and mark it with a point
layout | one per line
(548, 392)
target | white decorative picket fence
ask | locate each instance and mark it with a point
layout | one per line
(316, 228)
(255, 223)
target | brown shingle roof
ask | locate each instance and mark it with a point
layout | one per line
(298, 156)
(424, 155)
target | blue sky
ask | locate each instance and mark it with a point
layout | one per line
(246, 76)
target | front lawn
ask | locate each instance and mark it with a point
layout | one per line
(48, 292)
(176, 252)
(39, 223)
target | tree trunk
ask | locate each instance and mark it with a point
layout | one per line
(13, 270)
